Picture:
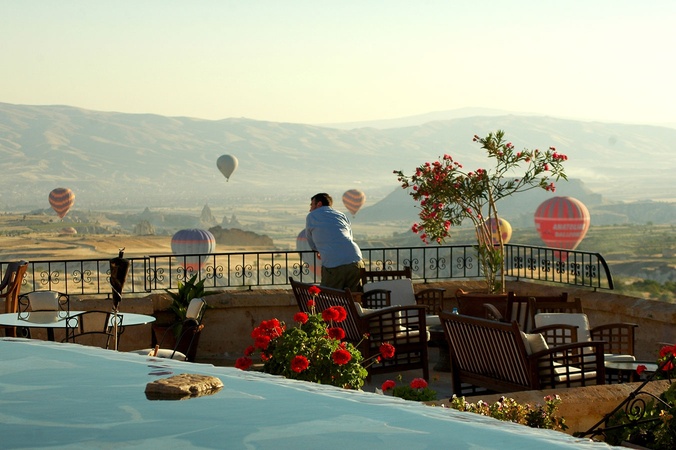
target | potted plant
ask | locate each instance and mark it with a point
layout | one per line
(447, 195)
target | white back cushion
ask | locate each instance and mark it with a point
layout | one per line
(577, 319)
(401, 291)
(194, 308)
(44, 300)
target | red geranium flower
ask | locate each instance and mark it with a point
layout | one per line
(336, 333)
(314, 290)
(310, 303)
(299, 363)
(262, 342)
(387, 385)
(341, 313)
(243, 363)
(387, 350)
(418, 383)
(341, 357)
(249, 350)
(300, 317)
(330, 314)
(640, 369)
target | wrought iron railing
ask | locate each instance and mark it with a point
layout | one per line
(248, 270)
(634, 411)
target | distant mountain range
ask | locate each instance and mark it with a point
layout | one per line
(130, 161)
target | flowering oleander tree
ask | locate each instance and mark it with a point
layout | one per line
(448, 194)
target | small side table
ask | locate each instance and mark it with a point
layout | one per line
(626, 370)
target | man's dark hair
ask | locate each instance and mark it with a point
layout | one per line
(324, 198)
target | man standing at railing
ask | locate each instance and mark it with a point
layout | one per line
(330, 234)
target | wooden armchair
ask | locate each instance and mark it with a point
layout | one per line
(565, 322)
(500, 358)
(402, 326)
(383, 288)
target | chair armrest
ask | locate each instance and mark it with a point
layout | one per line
(395, 324)
(619, 337)
(580, 363)
(557, 334)
(492, 313)
(432, 299)
(377, 298)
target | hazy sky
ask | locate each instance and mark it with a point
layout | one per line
(340, 61)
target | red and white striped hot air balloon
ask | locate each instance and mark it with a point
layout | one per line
(61, 199)
(353, 200)
(562, 222)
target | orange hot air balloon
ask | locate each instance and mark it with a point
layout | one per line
(61, 199)
(562, 222)
(505, 230)
(353, 200)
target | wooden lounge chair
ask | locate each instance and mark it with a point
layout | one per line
(500, 358)
(564, 322)
(402, 326)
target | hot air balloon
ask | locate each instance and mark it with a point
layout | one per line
(227, 164)
(562, 222)
(196, 242)
(505, 230)
(353, 200)
(61, 199)
(309, 259)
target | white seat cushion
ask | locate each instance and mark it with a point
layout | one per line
(618, 358)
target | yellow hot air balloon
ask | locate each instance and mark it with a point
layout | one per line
(505, 230)
(353, 200)
(227, 164)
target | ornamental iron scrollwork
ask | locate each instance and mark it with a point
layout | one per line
(634, 406)
(590, 271)
(155, 275)
(575, 269)
(532, 264)
(49, 277)
(244, 271)
(272, 270)
(560, 266)
(413, 263)
(299, 269)
(82, 277)
(464, 262)
(438, 263)
(214, 272)
(545, 265)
